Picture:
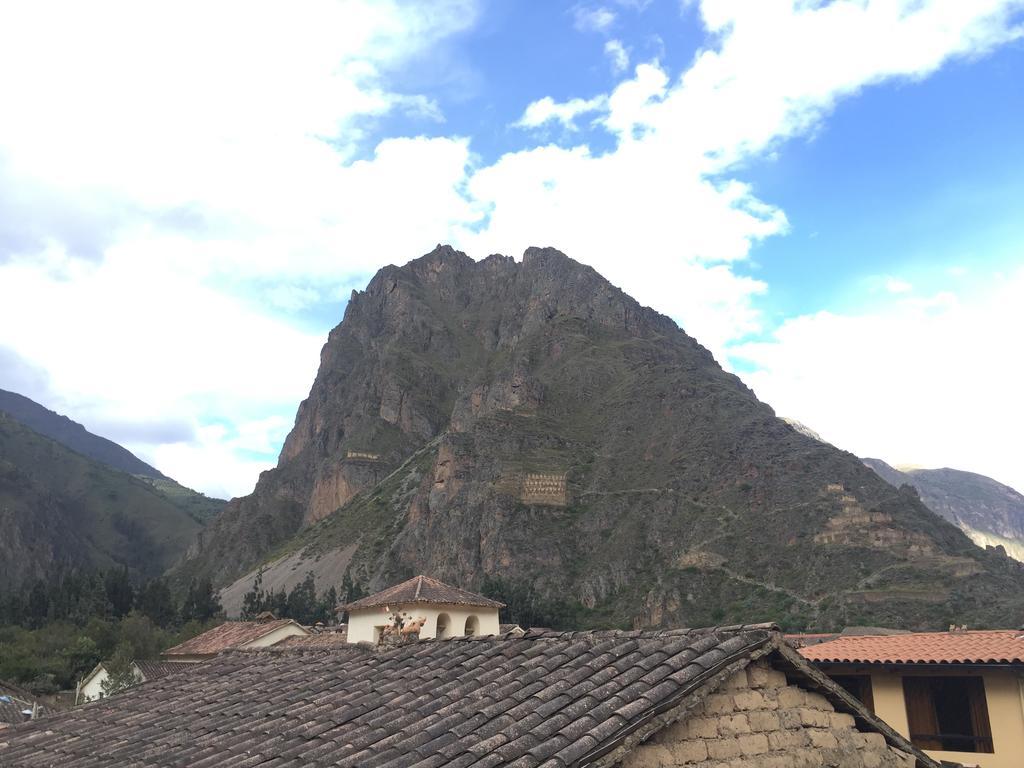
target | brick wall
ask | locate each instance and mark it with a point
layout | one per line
(756, 720)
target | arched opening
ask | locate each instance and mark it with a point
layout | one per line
(444, 626)
(472, 626)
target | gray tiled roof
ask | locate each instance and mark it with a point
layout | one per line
(544, 699)
(13, 701)
(154, 669)
(423, 589)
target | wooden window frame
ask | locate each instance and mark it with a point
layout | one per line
(919, 695)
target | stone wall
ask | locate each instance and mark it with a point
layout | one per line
(757, 720)
(547, 489)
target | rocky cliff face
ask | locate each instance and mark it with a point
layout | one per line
(990, 513)
(529, 423)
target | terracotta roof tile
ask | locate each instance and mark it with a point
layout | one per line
(320, 640)
(230, 634)
(423, 589)
(1000, 646)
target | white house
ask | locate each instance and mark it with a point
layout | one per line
(446, 611)
(262, 633)
(90, 687)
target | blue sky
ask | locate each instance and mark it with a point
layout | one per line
(828, 195)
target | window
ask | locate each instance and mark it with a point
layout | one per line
(444, 624)
(472, 626)
(858, 686)
(948, 713)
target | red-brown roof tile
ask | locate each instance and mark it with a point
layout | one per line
(230, 634)
(423, 589)
(321, 640)
(1000, 646)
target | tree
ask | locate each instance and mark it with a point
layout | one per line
(120, 674)
(302, 605)
(328, 606)
(277, 603)
(155, 601)
(120, 592)
(201, 602)
(254, 601)
(92, 600)
(81, 656)
(350, 591)
(38, 605)
(141, 636)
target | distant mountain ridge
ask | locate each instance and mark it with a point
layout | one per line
(527, 427)
(69, 498)
(74, 435)
(990, 513)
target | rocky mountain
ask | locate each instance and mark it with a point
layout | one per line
(990, 513)
(73, 435)
(528, 428)
(60, 508)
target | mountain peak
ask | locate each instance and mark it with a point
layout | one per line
(532, 427)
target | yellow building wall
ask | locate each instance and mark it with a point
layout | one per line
(1004, 695)
(362, 624)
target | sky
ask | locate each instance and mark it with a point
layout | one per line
(828, 195)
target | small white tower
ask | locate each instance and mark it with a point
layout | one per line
(446, 611)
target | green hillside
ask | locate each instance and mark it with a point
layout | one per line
(58, 508)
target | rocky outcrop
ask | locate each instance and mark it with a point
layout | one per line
(532, 424)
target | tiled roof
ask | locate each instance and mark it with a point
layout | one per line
(13, 701)
(1000, 646)
(543, 699)
(319, 640)
(423, 589)
(154, 670)
(230, 634)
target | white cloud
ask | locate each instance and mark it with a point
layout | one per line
(617, 55)
(926, 381)
(135, 338)
(157, 161)
(593, 19)
(896, 285)
(547, 110)
(168, 160)
(660, 215)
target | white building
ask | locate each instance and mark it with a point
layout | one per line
(262, 633)
(446, 611)
(90, 687)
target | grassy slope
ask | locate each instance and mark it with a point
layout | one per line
(75, 509)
